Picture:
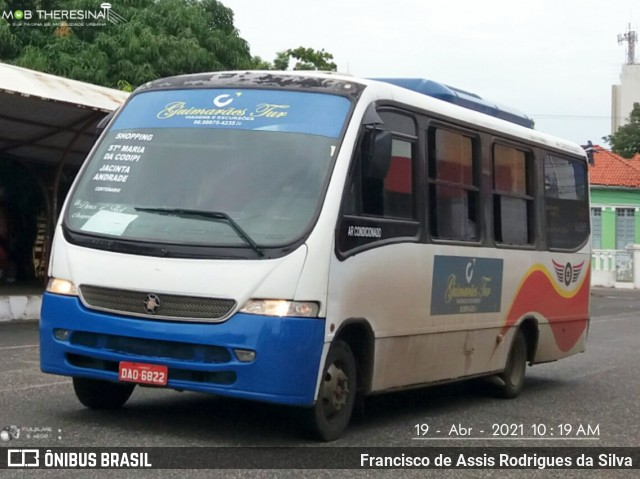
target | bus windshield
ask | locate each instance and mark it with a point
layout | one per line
(257, 159)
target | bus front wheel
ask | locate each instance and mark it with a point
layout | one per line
(513, 374)
(97, 394)
(330, 415)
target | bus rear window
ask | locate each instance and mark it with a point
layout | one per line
(566, 202)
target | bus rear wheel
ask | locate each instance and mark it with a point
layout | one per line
(330, 415)
(98, 394)
(514, 372)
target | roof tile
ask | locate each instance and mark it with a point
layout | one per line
(610, 169)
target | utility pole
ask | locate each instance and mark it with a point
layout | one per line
(631, 38)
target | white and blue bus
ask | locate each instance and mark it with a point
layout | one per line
(310, 239)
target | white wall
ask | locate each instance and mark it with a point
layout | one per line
(624, 95)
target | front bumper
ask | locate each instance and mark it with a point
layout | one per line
(199, 356)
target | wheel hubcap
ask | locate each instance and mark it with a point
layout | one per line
(336, 389)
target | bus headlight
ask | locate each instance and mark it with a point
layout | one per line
(281, 307)
(61, 286)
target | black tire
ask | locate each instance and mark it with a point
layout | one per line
(514, 372)
(97, 394)
(330, 415)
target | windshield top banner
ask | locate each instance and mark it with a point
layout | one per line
(286, 111)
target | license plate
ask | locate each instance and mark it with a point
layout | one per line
(141, 373)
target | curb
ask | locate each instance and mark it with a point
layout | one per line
(20, 307)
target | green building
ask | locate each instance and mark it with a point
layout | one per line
(615, 216)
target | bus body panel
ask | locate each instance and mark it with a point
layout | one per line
(416, 346)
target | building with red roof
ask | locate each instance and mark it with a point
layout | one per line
(615, 205)
(611, 170)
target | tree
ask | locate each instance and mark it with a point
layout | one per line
(306, 59)
(626, 140)
(157, 38)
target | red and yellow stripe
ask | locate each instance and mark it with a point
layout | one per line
(567, 311)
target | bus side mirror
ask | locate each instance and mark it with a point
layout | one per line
(377, 153)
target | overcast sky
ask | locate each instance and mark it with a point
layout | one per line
(554, 60)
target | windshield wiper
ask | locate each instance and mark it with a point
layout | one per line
(212, 215)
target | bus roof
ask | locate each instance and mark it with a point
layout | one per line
(462, 98)
(331, 82)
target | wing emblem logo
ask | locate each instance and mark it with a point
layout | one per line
(567, 273)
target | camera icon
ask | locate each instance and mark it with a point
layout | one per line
(9, 433)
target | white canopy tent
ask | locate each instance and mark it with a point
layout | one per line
(43, 117)
(48, 123)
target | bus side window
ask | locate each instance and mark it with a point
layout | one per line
(453, 190)
(513, 207)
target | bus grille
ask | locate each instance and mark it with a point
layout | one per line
(151, 348)
(156, 306)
